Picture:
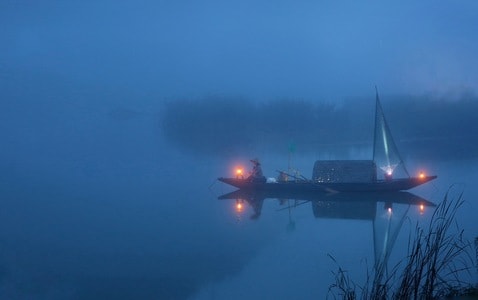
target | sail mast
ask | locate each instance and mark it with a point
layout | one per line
(375, 125)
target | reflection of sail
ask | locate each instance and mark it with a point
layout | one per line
(384, 241)
(385, 152)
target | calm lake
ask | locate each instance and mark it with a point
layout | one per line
(146, 224)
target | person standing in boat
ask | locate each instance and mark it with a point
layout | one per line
(256, 173)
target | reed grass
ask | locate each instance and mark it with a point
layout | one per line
(433, 268)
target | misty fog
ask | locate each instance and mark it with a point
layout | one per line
(116, 118)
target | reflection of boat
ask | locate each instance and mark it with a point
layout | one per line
(347, 175)
(351, 206)
(336, 205)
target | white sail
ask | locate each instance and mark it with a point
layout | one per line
(385, 152)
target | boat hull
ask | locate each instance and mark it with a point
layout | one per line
(393, 185)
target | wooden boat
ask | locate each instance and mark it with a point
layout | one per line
(392, 185)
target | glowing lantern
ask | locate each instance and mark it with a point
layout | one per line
(239, 206)
(388, 171)
(421, 175)
(239, 173)
(422, 209)
(388, 207)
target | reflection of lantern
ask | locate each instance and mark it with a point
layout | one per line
(388, 207)
(422, 209)
(239, 206)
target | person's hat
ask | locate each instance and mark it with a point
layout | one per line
(256, 161)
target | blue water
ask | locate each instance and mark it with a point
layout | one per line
(152, 228)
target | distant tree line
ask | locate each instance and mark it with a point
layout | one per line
(422, 126)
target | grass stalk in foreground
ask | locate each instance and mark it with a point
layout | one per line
(434, 267)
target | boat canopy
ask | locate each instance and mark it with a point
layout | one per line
(344, 171)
